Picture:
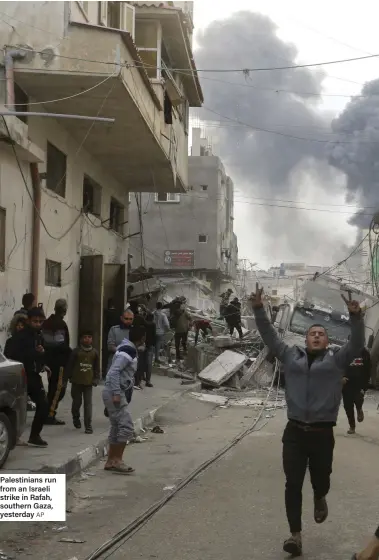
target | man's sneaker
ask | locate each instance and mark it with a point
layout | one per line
(77, 424)
(351, 431)
(360, 415)
(54, 422)
(320, 510)
(293, 546)
(89, 431)
(148, 384)
(37, 441)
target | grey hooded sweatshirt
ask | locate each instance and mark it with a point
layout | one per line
(313, 394)
(120, 376)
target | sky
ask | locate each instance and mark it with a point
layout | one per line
(328, 30)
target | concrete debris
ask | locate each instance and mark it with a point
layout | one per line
(157, 430)
(208, 397)
(248, 401)
(168, 488)
(58, 529)
(223, 341)
(222, 368)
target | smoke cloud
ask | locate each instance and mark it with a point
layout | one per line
(358, 158)
(269, 165)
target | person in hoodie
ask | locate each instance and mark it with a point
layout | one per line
(162, 326)
(27, 303)
(116, 394)
(26, 346)
(313, 377)
(118, 333)
(57, 353)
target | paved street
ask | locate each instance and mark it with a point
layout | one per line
(234, 510)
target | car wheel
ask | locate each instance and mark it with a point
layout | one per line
(5, 438)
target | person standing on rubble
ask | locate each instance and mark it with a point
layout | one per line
(313, 378)
(182, 326)
(356, 381)
(233, 317)
(225, 302)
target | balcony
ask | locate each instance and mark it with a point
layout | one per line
(97, 71)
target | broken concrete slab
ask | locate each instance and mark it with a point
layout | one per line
(222, 368)
(207, 397)
(256, 370)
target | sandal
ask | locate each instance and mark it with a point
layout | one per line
(121, 468)
(321, 510)
(293, 546)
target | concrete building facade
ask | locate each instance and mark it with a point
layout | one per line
(189, 233)
(64, 183)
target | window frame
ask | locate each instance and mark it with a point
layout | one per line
(167, 201)
(49, 265)
(124, 8)
(157, 49)
(120, 227)
(97, 196)
(63, 180)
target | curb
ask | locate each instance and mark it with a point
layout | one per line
(97, 451)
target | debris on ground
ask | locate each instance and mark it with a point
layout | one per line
(157, 430)
(222, 368)
(208, 397)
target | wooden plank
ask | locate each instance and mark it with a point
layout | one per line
(222, 368)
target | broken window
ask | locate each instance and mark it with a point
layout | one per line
(56, 169)
(3, 214)
(53, 273)
(21, 102)
(203, 238)
(167, 109)
(91, 196)
(116, 218)
(167, 197)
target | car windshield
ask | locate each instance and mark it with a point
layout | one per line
(337, 326)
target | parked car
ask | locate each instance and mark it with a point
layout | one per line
(13, 402)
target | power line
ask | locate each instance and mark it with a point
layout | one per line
(285, 135)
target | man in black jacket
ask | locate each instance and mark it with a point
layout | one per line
(57, 353)
(313, 395)
(356, 381)
(26, 346)
(233, 317)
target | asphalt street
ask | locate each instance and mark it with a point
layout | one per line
(234, 510)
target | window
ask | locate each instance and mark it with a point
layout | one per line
(118, 15)
(204, 187)
(167, 109)
(167, 197)
(116, 216)
(148, 42)
(56, 169)
(21, 101)
(91, 196)
(53, 271)
(203, 238)
(2, 238)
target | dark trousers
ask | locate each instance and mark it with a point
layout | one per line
(302, 449)
(82, 394)
(180, 339)
(204, 332)
(37, 394)
(57, 388)
(238, 327)
(352, 397)
(140, 373)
